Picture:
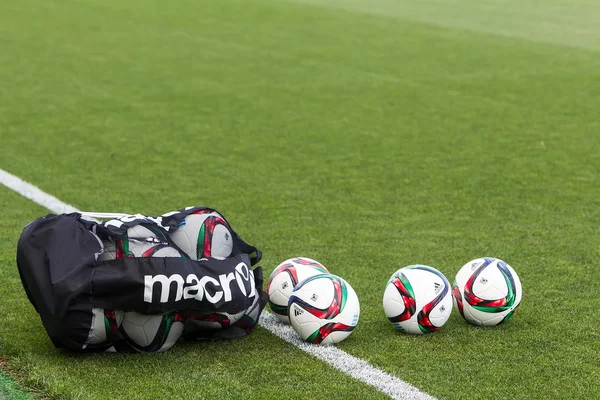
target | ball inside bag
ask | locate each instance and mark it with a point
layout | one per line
(105, 325)
(487, 291)
(208, 320)
(152, 333)
(417, 299)
(323, 309)
(204, 234)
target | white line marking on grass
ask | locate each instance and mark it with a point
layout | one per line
(348, 364)
(355, 367)
(34, 193)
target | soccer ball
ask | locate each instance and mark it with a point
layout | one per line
(200, 320)
(285, 277)
(152, 333)
(105, 325)
(204, 234)
(417, 299)
(139, 241)
(487, 291)
(323, 309)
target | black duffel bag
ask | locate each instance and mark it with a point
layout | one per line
(57, 257)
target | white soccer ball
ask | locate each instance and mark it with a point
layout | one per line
(417, 299)
(285, 277)
(152, 333)
(138, 242)
(200, 320)
(487, 291)
(105, 325)
(323, 309)
(204, 234)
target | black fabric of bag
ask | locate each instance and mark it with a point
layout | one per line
(55, 256)
(57, 261)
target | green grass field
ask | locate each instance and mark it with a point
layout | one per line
(368, 135)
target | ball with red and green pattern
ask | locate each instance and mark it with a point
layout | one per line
(417, 299)
(323, 309)
(105, 326)
(197, 321)
(285, 277)
(487, 291)
(204, 234)
(152, 333)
